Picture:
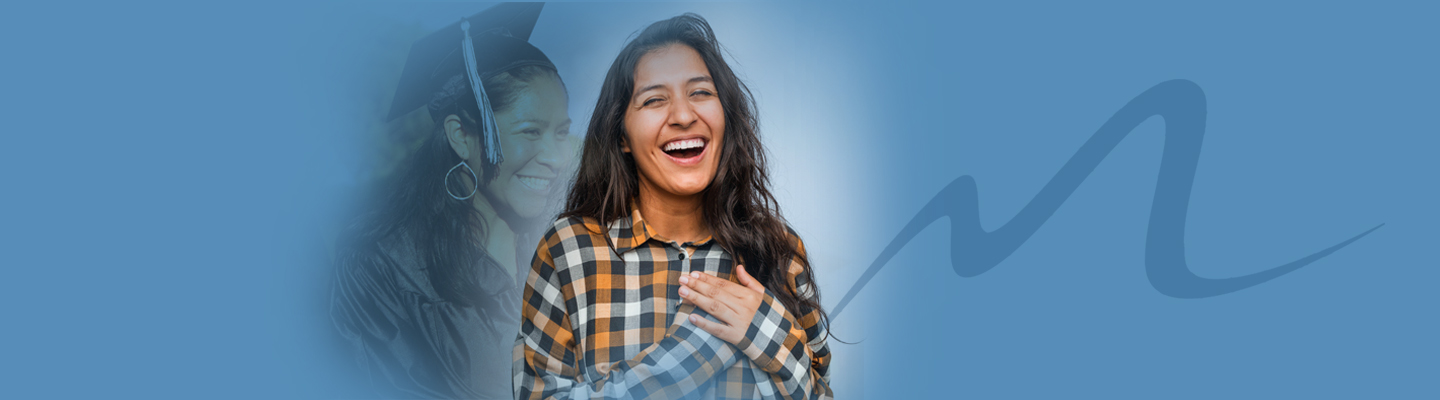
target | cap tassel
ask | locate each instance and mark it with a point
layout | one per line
(487, 116)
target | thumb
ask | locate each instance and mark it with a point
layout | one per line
(749, 281)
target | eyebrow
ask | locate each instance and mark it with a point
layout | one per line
(544, 122)
(661, 85)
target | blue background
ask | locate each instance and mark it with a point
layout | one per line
(170, 171)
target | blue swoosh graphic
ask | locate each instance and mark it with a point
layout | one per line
(1182, 105)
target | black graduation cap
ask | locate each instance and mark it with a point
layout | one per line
(449, 65)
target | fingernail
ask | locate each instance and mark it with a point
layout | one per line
(684, 292)
(694, 318)
(695, 274)
(684, 280)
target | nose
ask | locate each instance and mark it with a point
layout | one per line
(552, 153)
(682, 115)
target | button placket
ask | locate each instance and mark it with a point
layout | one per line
(684, 270)
(684, 260)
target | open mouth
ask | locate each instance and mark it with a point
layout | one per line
(685, 151)
(534, 183)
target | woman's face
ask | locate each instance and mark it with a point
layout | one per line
(535, 138)
(674, 124)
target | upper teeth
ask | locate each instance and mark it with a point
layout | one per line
(684, 144)
(535, 183)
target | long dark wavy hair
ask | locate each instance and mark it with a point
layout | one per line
(738, 207)
(446, 234)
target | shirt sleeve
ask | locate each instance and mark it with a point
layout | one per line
(793, 351)
(547, 356)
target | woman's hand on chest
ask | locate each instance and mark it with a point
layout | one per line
(733, 304)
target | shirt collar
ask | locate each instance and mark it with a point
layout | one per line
(631, 232)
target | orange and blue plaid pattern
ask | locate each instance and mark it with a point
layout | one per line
(607, 322)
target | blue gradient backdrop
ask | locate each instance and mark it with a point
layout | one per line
(170, 171)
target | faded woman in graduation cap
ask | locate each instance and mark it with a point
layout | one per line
(426, 291)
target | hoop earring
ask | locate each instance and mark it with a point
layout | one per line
(473, 178)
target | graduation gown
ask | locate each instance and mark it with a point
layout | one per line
(410, 343)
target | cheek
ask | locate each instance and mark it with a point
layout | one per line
(640, 130)
(714, 116)
(517, 152)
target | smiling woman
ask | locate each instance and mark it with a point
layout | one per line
(638, 290)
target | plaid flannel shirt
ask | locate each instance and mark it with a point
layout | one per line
(602, 323)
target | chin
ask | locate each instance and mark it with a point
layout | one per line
(528, 214)
(528, 208)
(690, 188)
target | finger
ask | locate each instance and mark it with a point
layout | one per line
(707, 303)
(721, 304)
(749, 281)
(715, 328)
(707, 284)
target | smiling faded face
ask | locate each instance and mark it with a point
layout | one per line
(674, 124)
(536, 142)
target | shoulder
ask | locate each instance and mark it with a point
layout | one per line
(793, 238)
(799, 260)
(573, 233)
(369, 255)
(365, 269)
(391, 262)
(566, 227)
(572, 241)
